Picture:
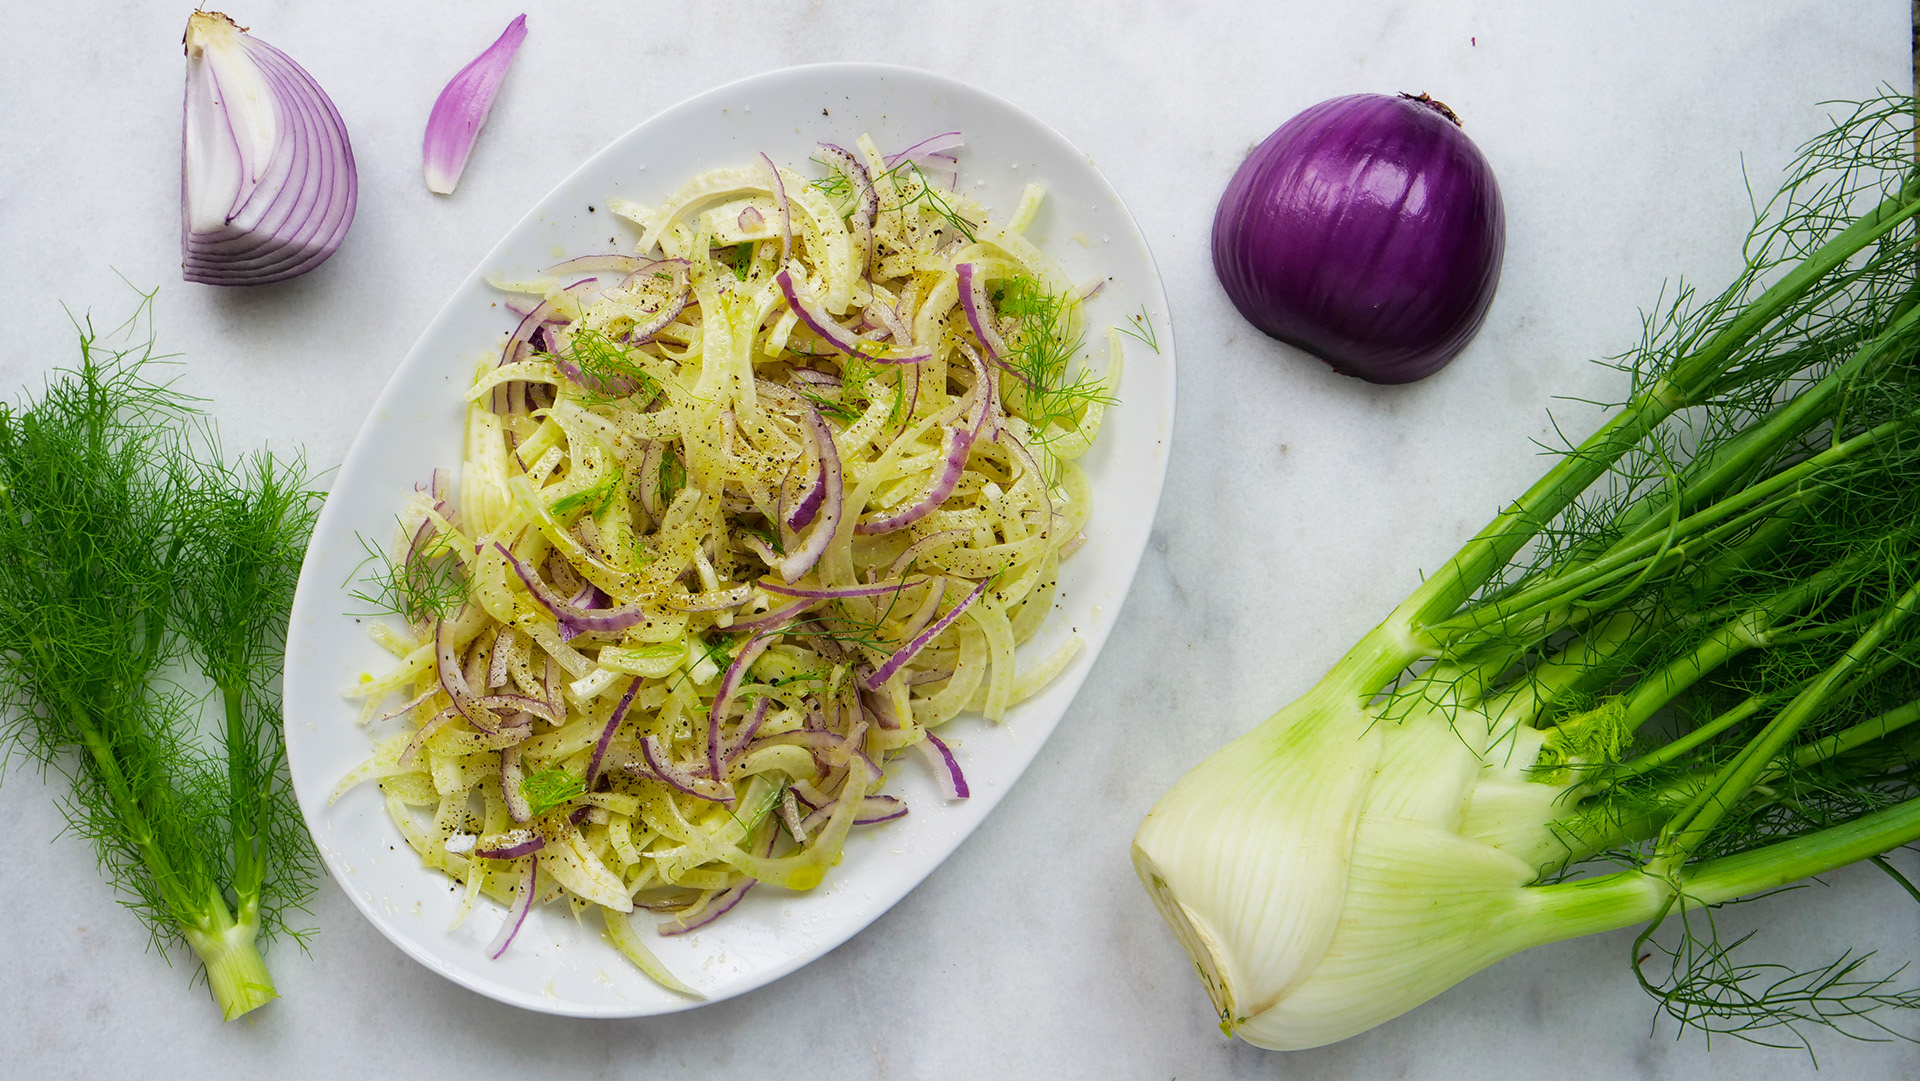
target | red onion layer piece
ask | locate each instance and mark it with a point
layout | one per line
(268, 184)
(462, 108)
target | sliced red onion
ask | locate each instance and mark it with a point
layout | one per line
(938, 145)
(867, 200)
(510, 778)
(670, 309)
(721, 905)
(747, 732)
(578, 620)
(517, 915)
(750, 219)
(842, 339)
(268, 185)
(958, 445)
(973, 298)
(808, 505)
(881, 708)
(946, 769)
(872, 809)
(512, 845)
(502, 646)
(786, 212)
(790, 815)
(588, 264)
(521, 703)
(932, 675)
(542, 314)
(797, 563)
(773, 620)
(724, 695)
(829, 593)
(461, 110)
(606, 734)
(550, 684)
(409, 707)
(419, 740)
(662, 768)
(906, 653)
(454, 681)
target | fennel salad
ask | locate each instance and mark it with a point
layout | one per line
(744, 516)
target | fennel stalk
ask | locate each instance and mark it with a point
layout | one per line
(1682, 668)
(133, 557)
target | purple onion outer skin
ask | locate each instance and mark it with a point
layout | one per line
(1368, 231)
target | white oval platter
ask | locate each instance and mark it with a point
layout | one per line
(561, 965)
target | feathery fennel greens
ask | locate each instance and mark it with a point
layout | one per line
(133, 558)
(1683, 668)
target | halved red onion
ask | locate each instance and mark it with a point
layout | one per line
(906, 653)
(517, 915)
(842, 339)
(510, 792)
(606, 734)
(268, 185)
(461, 110)
(946, 769)
(802, 559)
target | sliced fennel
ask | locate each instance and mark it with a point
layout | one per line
(1679, 670)
(744, 516)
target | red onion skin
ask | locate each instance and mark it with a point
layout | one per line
(1368, 231)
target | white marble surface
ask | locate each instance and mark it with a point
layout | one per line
(1299, 507)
